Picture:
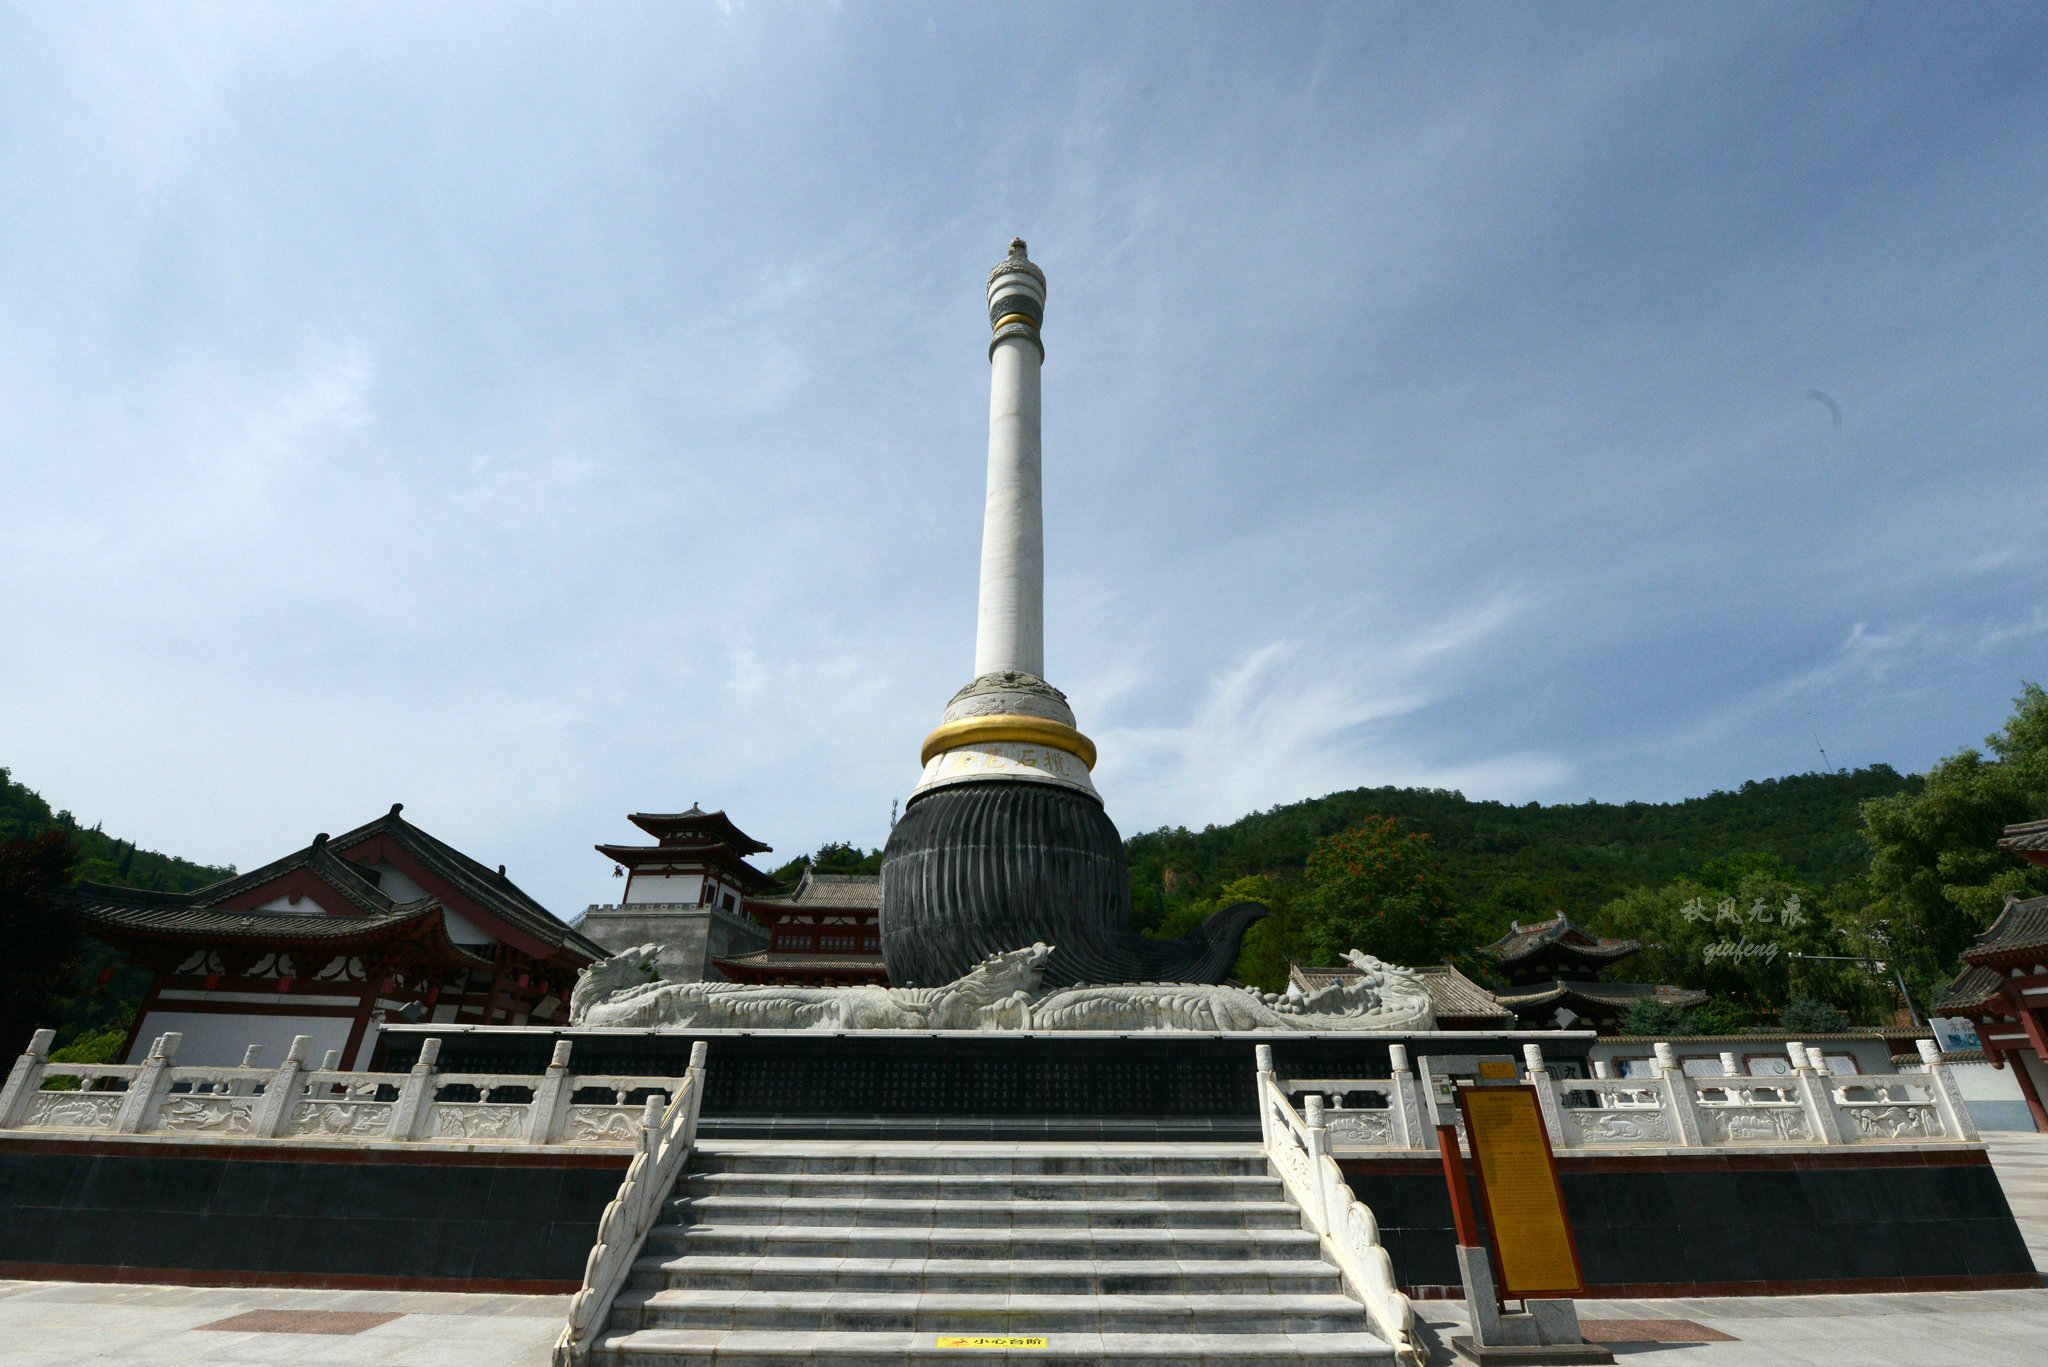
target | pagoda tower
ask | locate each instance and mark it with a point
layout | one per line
(1004, 842)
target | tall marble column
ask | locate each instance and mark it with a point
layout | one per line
(1010, 629)
(1004, 842)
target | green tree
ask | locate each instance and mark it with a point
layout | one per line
(1804, 1015)
(1269, 946)
(1937, 877)
(1737, 928)
(40, 932)
(1380, 889)
(834, 857)
(1649, 1016)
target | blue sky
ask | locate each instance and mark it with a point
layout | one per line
(536, 414)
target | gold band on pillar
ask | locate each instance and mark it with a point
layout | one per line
(1010, 318)
(1038, 730)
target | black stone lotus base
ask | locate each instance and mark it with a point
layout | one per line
(976, 869)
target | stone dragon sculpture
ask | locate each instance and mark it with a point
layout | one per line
(1002, 992)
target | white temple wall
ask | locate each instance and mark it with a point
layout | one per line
(680, 889)
(464, 931)
(218, 1038)
(1992, 1095)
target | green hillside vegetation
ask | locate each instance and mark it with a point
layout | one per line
(1506, 863)
(101, 857)
(93, 1016)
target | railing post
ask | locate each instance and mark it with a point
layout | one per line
(693, 1083)
(1948, 1098)
(1407, 1100)
(281, 1093)
(544, 1117)
(1815, 1093)
(1262, 1056)
(416, 1096)
(26, 1079)
(1546, 1093)
(146, 1091)
(252, 1057)
(1678, 1099)
(1318, 1145)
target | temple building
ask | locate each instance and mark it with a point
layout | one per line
(2003, 988)
(687, 892)
(383, 921)
(827, 933)
(1553, 971)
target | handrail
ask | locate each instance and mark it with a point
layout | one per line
(666, 1139)
(1298, 1151)
(295, 1101)
(1806, 1106)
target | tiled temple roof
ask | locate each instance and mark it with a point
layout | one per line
(1972, 990)
(829, 892)
(1597, 994)
(1525, 942)
(2025, 837)
(126, 915)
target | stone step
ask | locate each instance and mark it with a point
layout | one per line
(1101, 1160)
(984, 1186)
(867, 1212)
(723, 1348)
(997, 1313)
(1046, 1277)
(887, 1241)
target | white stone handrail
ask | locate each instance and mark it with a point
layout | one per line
(665, 1139)
(1298, 1149)
(293, 1101)
(1669, 1109)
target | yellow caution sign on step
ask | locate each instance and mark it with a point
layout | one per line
(973, 1341)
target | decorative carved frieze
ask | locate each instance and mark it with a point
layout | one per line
(209, 1114)
(72, 1111)
(476, 1120)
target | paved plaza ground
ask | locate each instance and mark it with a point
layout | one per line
(43, 1324)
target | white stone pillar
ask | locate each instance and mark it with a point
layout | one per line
(1010, 626)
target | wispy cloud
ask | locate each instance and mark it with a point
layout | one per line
(539, 416)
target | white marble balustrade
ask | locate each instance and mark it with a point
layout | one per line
(293, 1101)
(1807, 1106)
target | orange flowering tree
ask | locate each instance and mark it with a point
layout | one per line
(1380, 889)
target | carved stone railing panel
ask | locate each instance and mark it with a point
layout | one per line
(600, 1124)
(72, 1111)
(1637, 1125)
(339, 1118)
(476, 1120)
(1895, 1122)
(1739, 1124)
(1361, 1129)
(209, 1113)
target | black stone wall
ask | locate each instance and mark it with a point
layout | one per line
(1669, 1227)
(117, 1211)
(900, 1084)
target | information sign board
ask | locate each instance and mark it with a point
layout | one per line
(1533, 1251)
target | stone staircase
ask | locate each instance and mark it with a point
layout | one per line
(857, 1253)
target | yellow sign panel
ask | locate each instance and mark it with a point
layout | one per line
(970, 1341)
(1497, 1068)
(1532, 1238)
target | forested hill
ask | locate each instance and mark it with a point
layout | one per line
(103, 859)
(1507, 862)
